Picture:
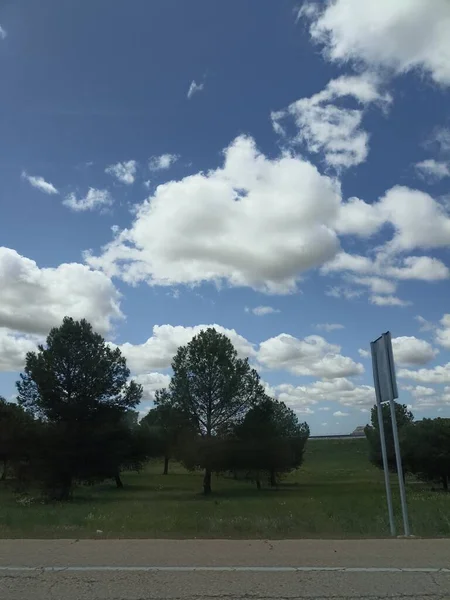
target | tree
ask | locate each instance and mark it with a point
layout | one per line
(168, 425)
(212, 387)
(271, 440)
(426, 450)
(15, 426)
(78, 386)
(404, 418)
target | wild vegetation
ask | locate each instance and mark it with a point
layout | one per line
(73, 438)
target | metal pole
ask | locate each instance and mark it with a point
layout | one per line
(383, 443)
(398, 458)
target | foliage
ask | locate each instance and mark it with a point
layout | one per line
(426, 450)
(212, 387)
(77, 387)
(336, 494)
(404, 418)
(168, 425)
(15, 432)
(270, 440)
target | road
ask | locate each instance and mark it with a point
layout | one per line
(224, 569)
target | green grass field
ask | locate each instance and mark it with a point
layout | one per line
(336, 493)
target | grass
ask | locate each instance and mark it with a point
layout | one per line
(337, 493)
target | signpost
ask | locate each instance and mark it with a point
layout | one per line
(386, 391)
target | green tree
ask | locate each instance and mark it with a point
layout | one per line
(271, 440)
(404, 418)
(15, 425)
(168, 425)
(79, 387)
(212, 387)
(426, 450)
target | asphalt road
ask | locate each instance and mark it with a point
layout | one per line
(203, 569)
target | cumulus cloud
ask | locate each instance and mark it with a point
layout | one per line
(329, 326)
(151, 382)
(3, 33)
(254, 222)
(398, 36)
(261, 311)
(389, 301)
(13, 349)
(442, 332)
(432, 169)
(93, 200)
(342, 391)
(35, 299)
(409, 350)
(125, 172)
(312, 356)
(438, 374)
(339, 414)
(40, 184)
(363, 353)
(162, 162)
(158, 351)
(329, 128)
(194, 88)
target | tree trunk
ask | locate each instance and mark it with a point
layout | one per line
(273, 479)
(207, 482)
(65, 491)
(258, 484)
(166, 465)
(119, 483)
(445, 482)
(5, 464)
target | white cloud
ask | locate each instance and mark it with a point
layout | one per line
(123, 171)
(158, 351)
(194, 88)
(260, 311)
(331, 129)
(389, 301)
(418, 220)
(329, 326)
(428, 398)
(439, 374)
(409, 350)
(13, 348)
(339, 413)
(342, 391)
(422, 268)
(377, 285)
(442, 332)
(400, 35)
(363, 353)
(151, 382)
(424, 324)
(3, 33)
(35, 299)
(312, 355)
(162, 162)
(441, 139)
(324, 408)
(94, 199)
(356, 217)
(433, 169)
(210, 227)
(40, 183)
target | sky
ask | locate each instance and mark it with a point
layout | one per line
(278, 170)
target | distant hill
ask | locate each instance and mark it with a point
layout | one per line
(359, 431)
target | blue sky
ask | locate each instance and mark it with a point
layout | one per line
(278, 169)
